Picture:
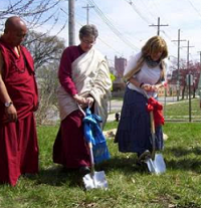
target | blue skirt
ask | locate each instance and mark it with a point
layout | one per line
(133, 133)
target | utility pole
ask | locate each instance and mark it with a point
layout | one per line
(158, 26)
(189, 78)
(88, 7)
(71, 23)
(200, 57)
(178, 75)
(188, 46)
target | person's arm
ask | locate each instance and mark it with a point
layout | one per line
(144, 86)
(4, 96)
(64, 74)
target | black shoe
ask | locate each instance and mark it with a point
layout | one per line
(84, 170)
(144, 156)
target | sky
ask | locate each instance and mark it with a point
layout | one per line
(124, 25)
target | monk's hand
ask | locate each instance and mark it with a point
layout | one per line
(36, 106)
(80, 99)
(90, 101)
(11, 113)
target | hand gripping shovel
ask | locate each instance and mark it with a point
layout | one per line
(96, 141)
(155, 163)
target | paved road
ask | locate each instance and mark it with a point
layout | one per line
(116, 105)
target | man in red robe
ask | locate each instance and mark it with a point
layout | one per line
(18, 101)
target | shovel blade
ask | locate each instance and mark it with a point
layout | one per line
(97, 180)
(157, 165)
(160, 163)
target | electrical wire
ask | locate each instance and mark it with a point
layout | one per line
(194, 7)
(137, 11)
(98, 36)
(112, 27)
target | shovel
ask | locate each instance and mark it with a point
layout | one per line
(94, 179)
(155, 163)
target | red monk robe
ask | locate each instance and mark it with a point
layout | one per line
(18, 140)
(70, 148)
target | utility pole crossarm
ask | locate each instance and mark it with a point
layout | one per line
(158, 26)
(88, 7)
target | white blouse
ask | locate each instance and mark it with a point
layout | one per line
(147, 75)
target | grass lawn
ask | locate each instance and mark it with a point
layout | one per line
(130, 186)
(180, 110)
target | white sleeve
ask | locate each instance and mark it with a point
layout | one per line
(164, 81)
(132, 63)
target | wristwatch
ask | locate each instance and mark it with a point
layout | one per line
(8, 104)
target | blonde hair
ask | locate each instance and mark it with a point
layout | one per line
(153, 45)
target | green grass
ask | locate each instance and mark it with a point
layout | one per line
(130, 186)
(180, 110)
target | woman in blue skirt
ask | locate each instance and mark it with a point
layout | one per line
(145, 74)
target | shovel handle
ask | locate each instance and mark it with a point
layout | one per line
(152, 124)
(92, 158)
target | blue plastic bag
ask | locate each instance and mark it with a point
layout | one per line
(93, 134)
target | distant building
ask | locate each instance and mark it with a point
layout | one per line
(120, 65)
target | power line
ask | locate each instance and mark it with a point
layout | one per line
(156, 7)
(137, 10)
(98, 36)
(194, 8)
(147, 8)
(112, 27)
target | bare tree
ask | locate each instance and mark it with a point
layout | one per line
(44, 49)
(35, 13)
(47, 84)
(194, 69)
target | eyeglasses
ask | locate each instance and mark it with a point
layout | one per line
(88, 42)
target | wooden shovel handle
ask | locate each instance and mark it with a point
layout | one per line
(152, 124)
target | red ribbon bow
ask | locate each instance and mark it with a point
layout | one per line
(156, 107)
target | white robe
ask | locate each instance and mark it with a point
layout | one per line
(91, 76)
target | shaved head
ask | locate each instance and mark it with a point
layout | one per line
(15, 31)
(14, 23)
